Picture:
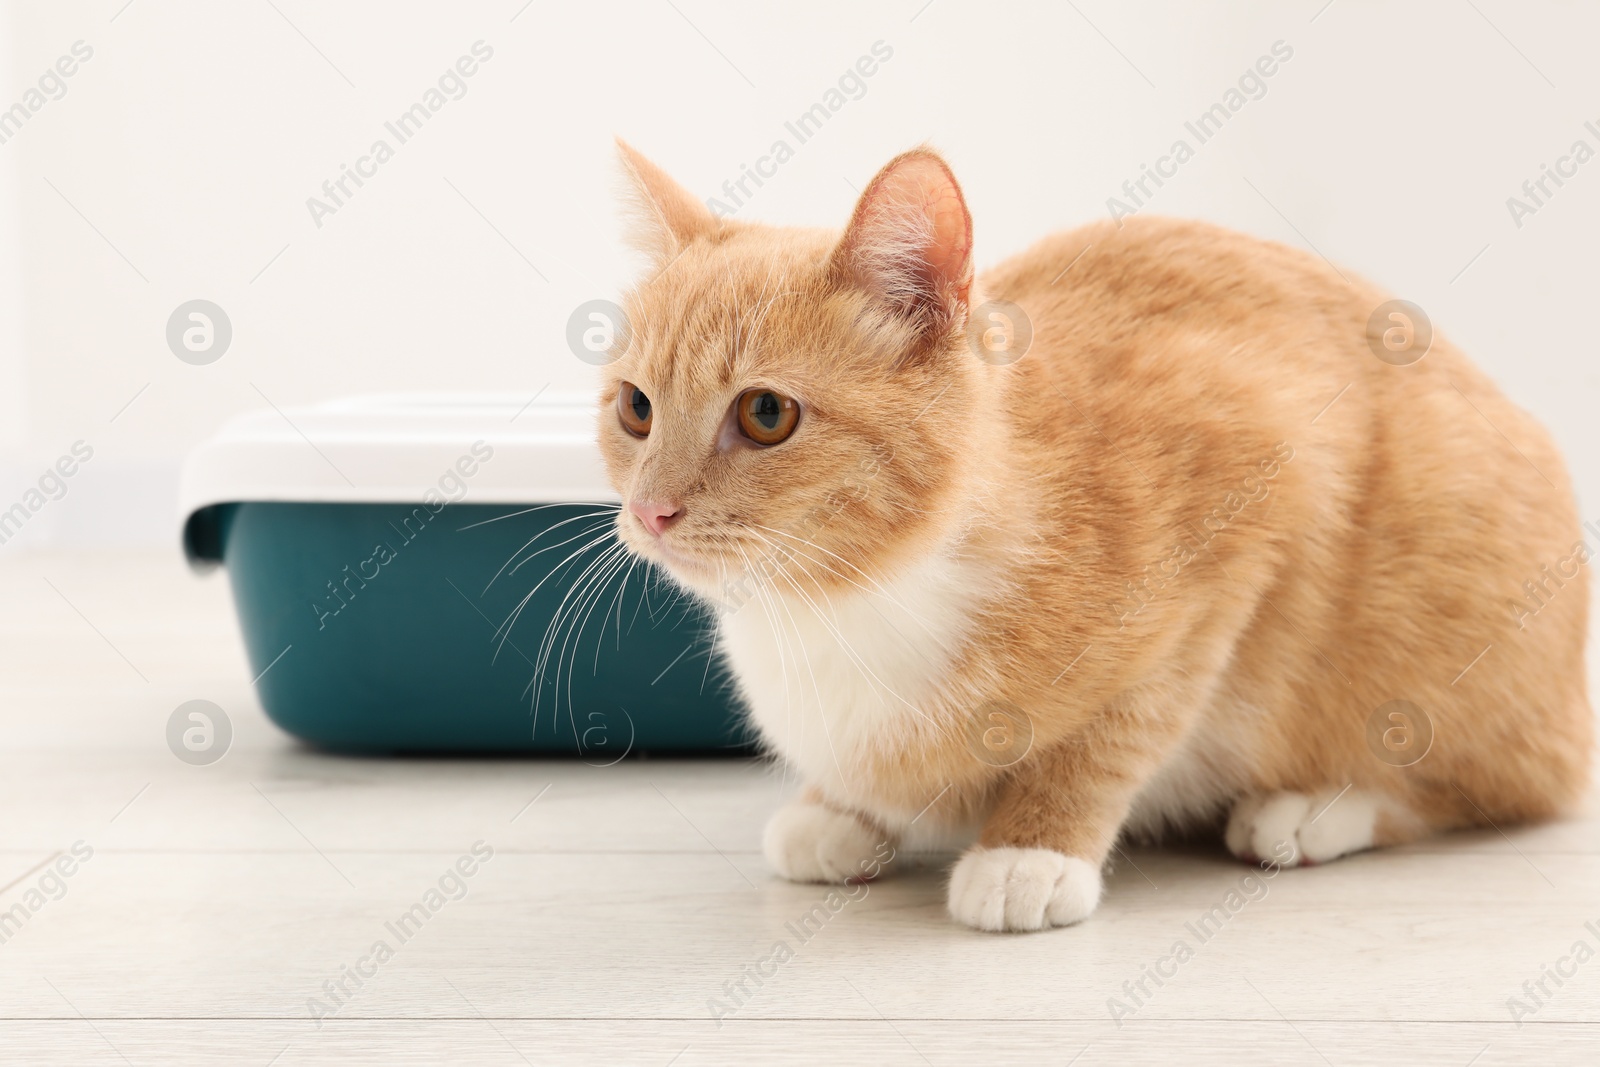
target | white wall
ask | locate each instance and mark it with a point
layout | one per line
(13, 392)
(194, 136)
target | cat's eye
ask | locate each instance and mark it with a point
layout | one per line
(766, 417)
(633, 409)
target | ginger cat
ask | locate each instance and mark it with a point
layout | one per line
(1166, 564)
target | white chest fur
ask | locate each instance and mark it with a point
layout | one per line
(828, 679)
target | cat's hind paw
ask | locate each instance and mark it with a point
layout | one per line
(1296, 829)
(815, 843)
(1022, 889)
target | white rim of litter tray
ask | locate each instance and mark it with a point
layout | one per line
(395, 448)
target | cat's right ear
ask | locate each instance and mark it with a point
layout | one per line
(665, 217)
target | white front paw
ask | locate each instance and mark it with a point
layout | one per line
(1022, 889)
(814, 843)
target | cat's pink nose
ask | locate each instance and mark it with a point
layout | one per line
(656, 517)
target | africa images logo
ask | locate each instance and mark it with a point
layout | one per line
(451, 85)
(851, 85)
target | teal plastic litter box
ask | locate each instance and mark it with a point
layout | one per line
(441, 574)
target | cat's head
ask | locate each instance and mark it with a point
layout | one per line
(794, 407)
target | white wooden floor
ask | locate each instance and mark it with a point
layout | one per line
(219, 900)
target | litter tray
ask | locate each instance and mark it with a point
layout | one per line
(427, 574)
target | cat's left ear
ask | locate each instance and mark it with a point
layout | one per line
(667, 217)
(909, 243)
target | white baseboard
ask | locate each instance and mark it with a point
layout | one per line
(107, 503)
